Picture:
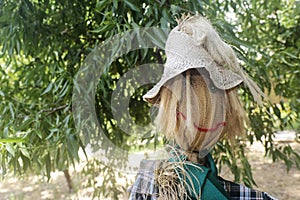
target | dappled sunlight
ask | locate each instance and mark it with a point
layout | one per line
(47, 194)
(270, 177)
(28, 189)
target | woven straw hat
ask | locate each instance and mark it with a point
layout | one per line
(195, 44)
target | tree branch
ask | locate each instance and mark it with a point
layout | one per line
(53, 110)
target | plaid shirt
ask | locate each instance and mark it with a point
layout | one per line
(145, 187)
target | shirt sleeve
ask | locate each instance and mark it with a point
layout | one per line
(240, 192)
(144, 187)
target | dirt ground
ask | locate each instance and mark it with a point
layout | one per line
(270, 177)
(273, 178)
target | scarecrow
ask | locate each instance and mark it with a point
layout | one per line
(197, 105)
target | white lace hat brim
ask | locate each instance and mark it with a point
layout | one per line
(222, 79)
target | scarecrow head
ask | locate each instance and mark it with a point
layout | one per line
(197, 94)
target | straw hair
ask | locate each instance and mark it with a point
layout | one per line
(171, 185)
(236, 117)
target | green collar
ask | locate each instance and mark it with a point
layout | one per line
(201, 182)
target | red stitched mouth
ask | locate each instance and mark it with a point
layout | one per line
(201, 128)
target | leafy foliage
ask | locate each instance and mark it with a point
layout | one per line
(44, 42)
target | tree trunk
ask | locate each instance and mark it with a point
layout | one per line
(68, 179)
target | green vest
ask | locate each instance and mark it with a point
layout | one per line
(201, 182)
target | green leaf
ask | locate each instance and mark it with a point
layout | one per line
(48, 89)
(132, 6)
(73, 147)
(60, 161)
(158, 37)
(115, 3)
(12, 140)
(3, 164)
(48, 165)
(18, 47)
(11, 110)
(104, 28)
(5, 132)
(58, 85)
(10, 149)
(101, 5)
(29, 4)
(277, 111)
(288, 63)
(24, 125)
(290, 54)
(25, 152)
(39, 134)
(64, 90)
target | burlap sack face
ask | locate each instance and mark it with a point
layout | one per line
(192, 111)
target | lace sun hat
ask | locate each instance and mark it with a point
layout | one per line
(194, 43)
